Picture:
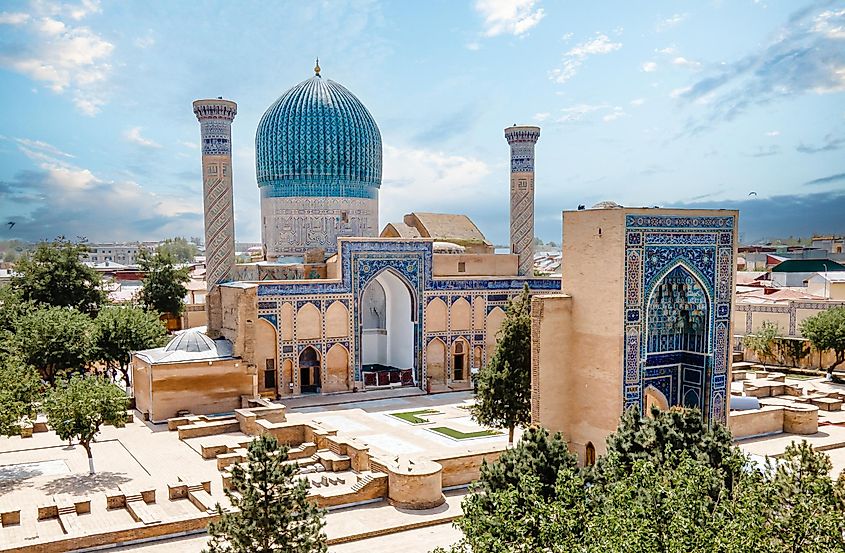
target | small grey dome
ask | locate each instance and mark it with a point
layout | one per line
(606, 205)
(190, 340)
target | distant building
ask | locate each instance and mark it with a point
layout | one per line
(830, 243)
(795, 272)
(829, 285)
(123, 253)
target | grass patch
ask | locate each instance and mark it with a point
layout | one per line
(802, 376)
(458, 435)
(414, 417)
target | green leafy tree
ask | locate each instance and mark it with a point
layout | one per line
(763, 342)
(20, 388)
(271, 512)
(57, 341)
(12, 307)
(123, 330)
(503, 397)
(163, 284)
(53, 274)
(827, 331)
(803, 505)
(179, 249)
(76, 409)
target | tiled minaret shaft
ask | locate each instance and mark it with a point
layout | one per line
(522, 140)
(215, 117)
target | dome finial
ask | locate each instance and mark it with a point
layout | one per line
(317, 67)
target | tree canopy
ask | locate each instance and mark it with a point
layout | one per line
(163, 284)
(826, 330)
(680, 488)
(78, 407)
(53, 275)
(270, 510)
(763, 342)
(181, 250)
(503, 396)
(57, 341)
(19, 390)
(120, 331)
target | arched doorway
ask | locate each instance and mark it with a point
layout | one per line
(386, 313)
(654, 398)
(309, 371)
(590, 454)
(678, 357)
(460, 356)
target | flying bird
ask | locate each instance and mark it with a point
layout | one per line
(752, 193)
(11, 224)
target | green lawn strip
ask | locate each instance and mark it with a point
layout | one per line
(458, 435)
(412, 416)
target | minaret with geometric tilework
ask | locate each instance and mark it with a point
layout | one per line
(522, 140)
(215, 117)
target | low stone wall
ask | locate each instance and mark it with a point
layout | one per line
(463, 469)
(774, 419)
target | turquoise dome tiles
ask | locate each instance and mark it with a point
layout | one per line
(318, 140)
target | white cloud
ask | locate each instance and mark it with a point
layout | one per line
(190, 145)
(670, 22)
(676, 93)
(13, 18)
(574, 58)
(27, 146)
(567, 37)
(649, 67)
(473, 45)
(60, 198)
(513, 17)
(669, 50)
(637, 102)
(616, 113)
(419, 179)
(830, 23)
(133, 135)
(773, 133)
(542, 116)
(681, 61)
(62, 55)
(577, 112)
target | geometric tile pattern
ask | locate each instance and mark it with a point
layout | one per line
(411, 261)
(215, 117)
(699, 252)
(318, 158)
(522, 141)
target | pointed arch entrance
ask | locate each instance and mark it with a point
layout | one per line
(309, 371)
(678, 356)
(387, 323)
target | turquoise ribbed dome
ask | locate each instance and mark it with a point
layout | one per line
(318, 139)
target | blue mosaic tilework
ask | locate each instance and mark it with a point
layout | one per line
(659, 249)
(318, 139)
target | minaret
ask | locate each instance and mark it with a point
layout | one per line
(522, 140)
(215, 117)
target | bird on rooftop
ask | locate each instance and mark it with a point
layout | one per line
(581, 206)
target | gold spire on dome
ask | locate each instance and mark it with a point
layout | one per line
(317, 67)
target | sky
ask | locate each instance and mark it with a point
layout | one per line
(716, 103)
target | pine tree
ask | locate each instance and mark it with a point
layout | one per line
(503, 399)
(271, 512)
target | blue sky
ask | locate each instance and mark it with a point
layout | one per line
(644, 103)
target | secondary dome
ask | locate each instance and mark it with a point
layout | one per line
(190, 340)
(318, 139)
